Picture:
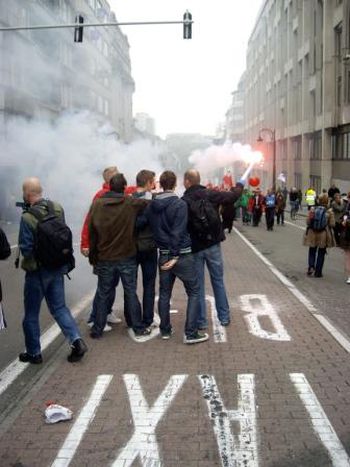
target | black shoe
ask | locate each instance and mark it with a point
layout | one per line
(78, 350)
(225, 323)
(196, 339)
(318, 274)
(310, 271)
(142, 333)
(166, 335)
(26, 358)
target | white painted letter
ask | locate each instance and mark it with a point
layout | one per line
(234, 449)
(320, 423)
(264, 308)
(219, 332)
(143, 443)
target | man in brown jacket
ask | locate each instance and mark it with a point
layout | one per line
(113, 253)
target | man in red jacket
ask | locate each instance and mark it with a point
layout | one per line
(107, 174)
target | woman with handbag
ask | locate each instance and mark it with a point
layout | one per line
(5, 251)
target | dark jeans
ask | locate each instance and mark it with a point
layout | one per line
(270, 217)
(148, 260)
(337, 230)
(92, 316)
(184, 269)
(49, 285)
(316, 258)
(109, 273)
(256, 216)
(280, 217)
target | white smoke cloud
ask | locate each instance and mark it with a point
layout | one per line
(69, 155)
(214, 157)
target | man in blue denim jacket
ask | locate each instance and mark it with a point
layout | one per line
(167, 217)
(42, 283)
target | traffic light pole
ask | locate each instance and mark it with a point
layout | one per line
(89, 25)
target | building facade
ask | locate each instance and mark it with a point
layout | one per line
(44, 73)
(234, 127)
(297, 84)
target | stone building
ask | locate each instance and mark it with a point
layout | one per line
(297, 82)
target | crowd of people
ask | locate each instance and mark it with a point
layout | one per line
(327, 219)
(125, 232)
(149, 231)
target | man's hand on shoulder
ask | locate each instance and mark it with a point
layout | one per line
(169, 264)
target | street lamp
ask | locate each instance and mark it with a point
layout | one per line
(272, 133)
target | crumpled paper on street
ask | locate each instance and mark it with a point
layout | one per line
(57, 413)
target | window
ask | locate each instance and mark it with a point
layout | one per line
(341, 146)
(297, 180)
(315, 182)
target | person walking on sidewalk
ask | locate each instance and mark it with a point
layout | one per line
(310, 196)
(344, 240)
(270, 209)
(113, 253)
(206, 237)
(5, 252)
(167, 216)
(338, 206)
(147, 255)
(42, 281)
(280, 207)
(319, 235)
(112, 318)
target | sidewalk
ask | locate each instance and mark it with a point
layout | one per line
(270, 390)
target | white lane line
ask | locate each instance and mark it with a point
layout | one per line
(295, 225)
(219, 332)
(343, 341)
(14, 369)
(320, 422)
(86, 416)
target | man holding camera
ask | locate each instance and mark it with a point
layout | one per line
(44, 280)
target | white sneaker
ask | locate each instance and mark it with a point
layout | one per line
(348, 281)
(113, 318)
(107, 328)
(199, 337)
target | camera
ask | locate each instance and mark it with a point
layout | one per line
(23, 205)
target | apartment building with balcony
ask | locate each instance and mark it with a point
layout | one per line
(297, 82)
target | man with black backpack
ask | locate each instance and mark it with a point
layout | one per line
(45, 243)
(205, 229)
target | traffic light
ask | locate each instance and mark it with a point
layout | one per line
(187, 17)
(78, 32)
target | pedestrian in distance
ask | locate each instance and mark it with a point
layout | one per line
(5, 252)
(228, 214)
(270, 209)
(280, 207)
(45, 242)
(256, 206)
(294, 203)
(333, 190)
(206, 234)
(319, 235)
(338, 206)
(244, 201)
(344, 239)
(167, 216)
(310, 196)
(147, 254)
(113, 253)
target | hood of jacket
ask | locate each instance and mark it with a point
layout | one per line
(163, 200)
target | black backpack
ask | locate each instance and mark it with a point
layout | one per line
(53, 239)
(203, 219)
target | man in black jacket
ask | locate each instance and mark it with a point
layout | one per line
(206, 244)
(5, 251)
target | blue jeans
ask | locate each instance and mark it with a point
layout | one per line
(183, 269)
(92, 316)
(148, 260)
(109, 273)
(212, 257)
(316, 258)
(49, 285)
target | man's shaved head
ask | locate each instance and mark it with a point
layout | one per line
(32, 189)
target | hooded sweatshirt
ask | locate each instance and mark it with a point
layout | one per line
(167, 216)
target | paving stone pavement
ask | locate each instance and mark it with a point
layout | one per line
(274, 390)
